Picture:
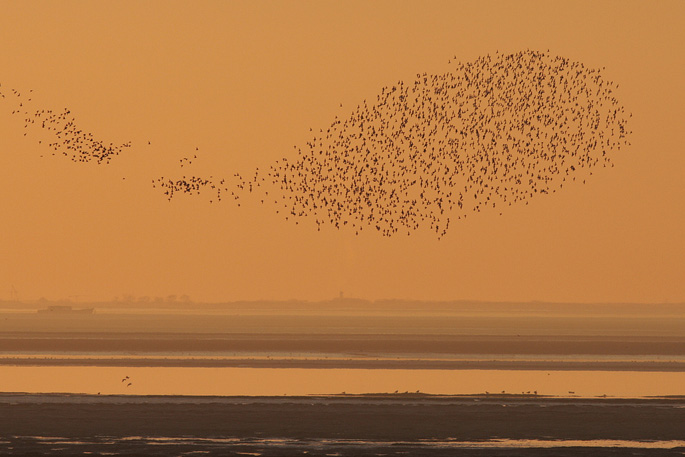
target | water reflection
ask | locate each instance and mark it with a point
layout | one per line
(333, 443)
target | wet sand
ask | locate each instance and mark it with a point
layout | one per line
(401, 422)
(371, 417)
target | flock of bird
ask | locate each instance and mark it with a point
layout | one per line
(487, 134)
(68, 140)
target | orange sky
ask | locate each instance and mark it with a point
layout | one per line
(244, 82)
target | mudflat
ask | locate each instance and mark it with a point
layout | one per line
(382, 417)
(249, 422)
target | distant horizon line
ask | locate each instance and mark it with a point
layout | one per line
(180, 300)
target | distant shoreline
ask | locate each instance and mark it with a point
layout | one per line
(336, 302)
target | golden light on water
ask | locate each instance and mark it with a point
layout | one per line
(293, 381)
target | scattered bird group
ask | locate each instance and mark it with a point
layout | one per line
(488, 134)
(67, 139)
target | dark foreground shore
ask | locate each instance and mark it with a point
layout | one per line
(336, 425)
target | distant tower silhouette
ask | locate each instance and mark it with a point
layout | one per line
(14, 293)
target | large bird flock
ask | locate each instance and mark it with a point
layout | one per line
(485, 135)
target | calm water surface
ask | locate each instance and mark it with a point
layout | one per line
(306, 381)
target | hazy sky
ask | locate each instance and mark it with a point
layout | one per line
(245, 81)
